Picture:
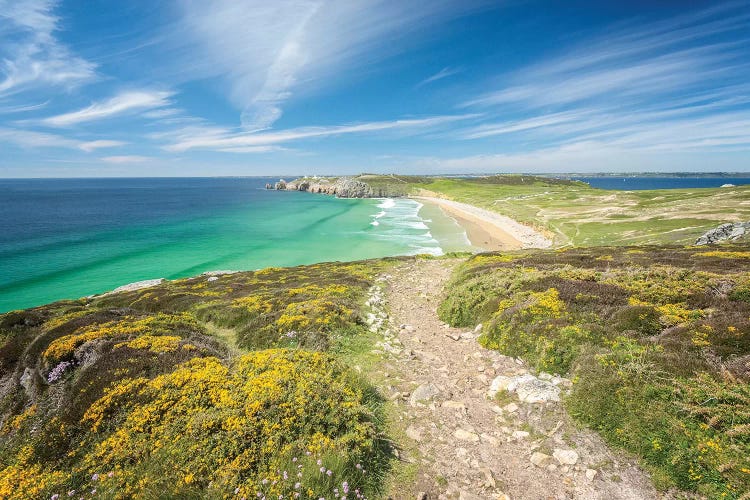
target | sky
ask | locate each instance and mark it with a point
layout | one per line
(93, 88)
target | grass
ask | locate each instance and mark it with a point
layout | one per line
(197, 389)
(578, 215)
(655, 339)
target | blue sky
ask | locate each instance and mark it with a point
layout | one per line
(232, 87)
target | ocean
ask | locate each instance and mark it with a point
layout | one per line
(666, 182)
(68, 238)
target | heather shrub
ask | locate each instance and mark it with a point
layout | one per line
(655, 339)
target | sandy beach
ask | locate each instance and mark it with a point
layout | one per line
(490, 230)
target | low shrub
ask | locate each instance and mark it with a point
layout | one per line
(656, 340)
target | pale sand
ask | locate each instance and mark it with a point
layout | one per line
(490, 230)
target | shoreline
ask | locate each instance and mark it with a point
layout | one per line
(489, 230)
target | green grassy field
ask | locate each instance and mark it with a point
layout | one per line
(575, 214)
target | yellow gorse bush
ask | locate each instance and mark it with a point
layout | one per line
(64, 346)
(230, 426)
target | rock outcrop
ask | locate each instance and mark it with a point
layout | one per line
(726, 232)
(342, 187)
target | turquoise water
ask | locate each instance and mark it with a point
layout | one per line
(70, 238)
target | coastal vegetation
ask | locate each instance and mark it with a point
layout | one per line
(655, 339)
(210, 387)
(575, 214)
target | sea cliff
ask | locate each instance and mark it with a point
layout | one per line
(363, 186)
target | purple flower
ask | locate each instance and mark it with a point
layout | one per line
(345, 487)
(322, 469)
(294, 459)
(54, 497)
(56, 374)
(95, 477)
(320, 462)
(71, 493)
(329, 472)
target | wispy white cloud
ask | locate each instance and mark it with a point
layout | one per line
(269, 51)
(227, 140)
(443, 73)
(30, 54)
(674, 85)
(100, 144)
(122, 103)
(126, 159)
(32, 139)
(161, 113)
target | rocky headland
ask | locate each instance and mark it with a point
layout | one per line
(341, 187)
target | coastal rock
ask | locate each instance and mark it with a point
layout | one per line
(540, 459)
(465, 435)
(218, 273)
(529, 388)
(500, 383)
(342, 187)
(565, 457)
(726, 232)
(424, 392)
(138, 285)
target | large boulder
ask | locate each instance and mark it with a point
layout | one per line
(726, 232)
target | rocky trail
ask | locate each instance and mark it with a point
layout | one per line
(464, 442)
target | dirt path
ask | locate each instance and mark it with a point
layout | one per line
(466, 445)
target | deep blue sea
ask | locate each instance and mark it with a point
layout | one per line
(67, 238)
(642, 183)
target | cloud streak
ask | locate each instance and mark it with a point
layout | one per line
(123, 103)
(440, 75)
(225, 140)
(674, 85)
(30, 54)
(270, 51)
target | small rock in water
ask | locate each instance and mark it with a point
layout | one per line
(565, 457)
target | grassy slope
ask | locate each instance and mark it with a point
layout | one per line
(582, 216)
(656, 339)
(149, 394)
